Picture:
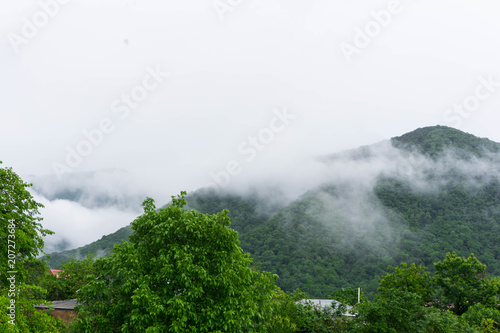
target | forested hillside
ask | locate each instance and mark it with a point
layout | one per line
(432, 191)
(436, 140)
(101, 247)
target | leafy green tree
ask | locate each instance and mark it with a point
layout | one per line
(291, 314)
(392, 312)
(19, 213)
(285, 315)
(463, 283)
(479, 314)
(27, 318)
(181, 271)
(414, 279)
(74, 275)
(348, 296)
(488, 326)
(316, 319)
(37, 270)
(439, 321)
(56, 288)
(21, 240)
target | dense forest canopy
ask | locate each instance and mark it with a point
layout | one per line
(377, 227)
(441, 194)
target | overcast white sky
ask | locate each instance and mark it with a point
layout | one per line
(227, 78)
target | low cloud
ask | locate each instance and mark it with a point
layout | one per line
(84, 206)
(96, 189)
(75, 225)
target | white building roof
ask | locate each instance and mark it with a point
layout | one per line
(326, 303)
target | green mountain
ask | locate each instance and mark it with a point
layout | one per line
(101, 248)
(435, 140)
(410, 199)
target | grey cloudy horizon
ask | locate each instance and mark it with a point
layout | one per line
(176, 92)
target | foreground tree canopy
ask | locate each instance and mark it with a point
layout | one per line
(463, 283)
(20, 210)
(181, 271)
(21, 240)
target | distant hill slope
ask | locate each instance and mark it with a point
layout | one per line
(246, 212)
(435, 140)
(428, 192)
(101, 248)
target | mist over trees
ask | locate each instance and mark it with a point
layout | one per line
(412, 199)
(413, 221)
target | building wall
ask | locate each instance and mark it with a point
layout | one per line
(67, 316)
